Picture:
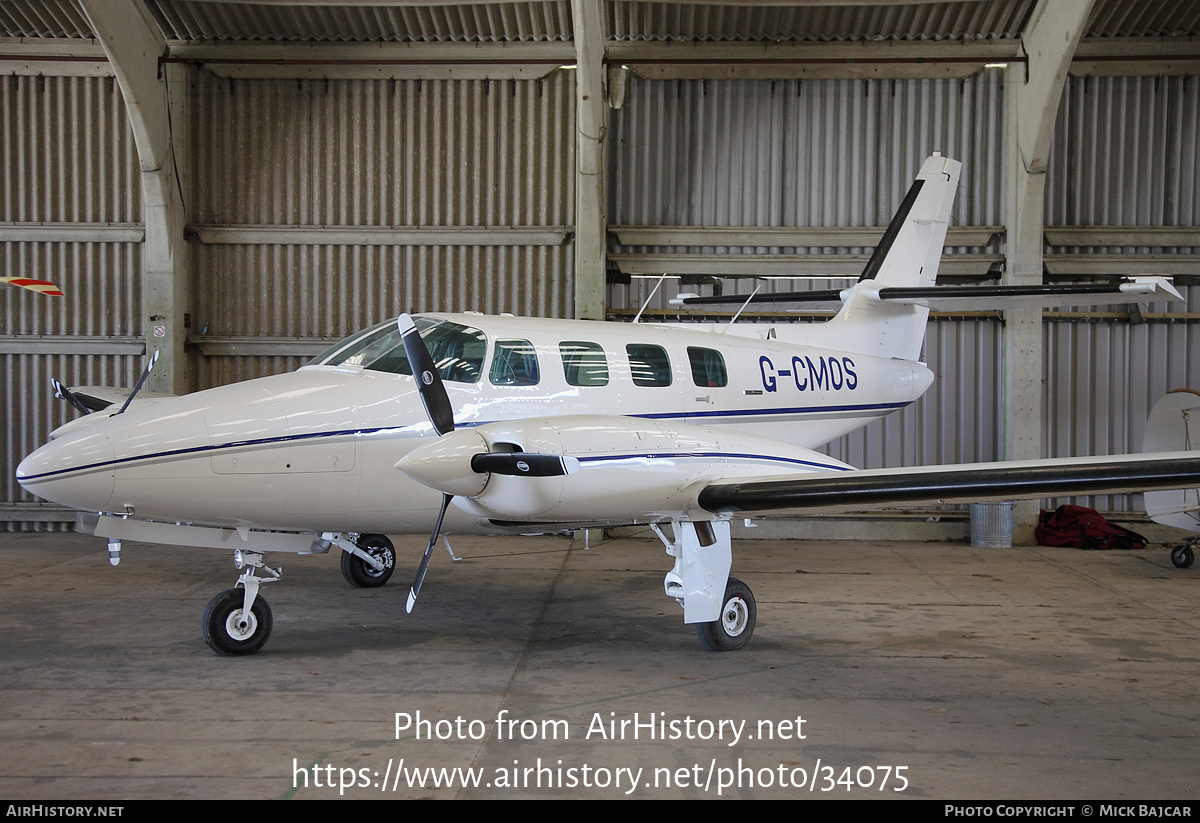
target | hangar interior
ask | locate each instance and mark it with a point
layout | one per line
(238, 184)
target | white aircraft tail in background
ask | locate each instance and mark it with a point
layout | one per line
(1174, 426)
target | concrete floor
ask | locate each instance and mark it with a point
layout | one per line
(1027, 673)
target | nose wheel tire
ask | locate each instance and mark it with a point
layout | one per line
(358, 573)
(229, 631)
(736, 625)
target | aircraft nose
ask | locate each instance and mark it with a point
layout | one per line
(76, 472)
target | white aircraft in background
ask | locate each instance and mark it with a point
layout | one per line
(1169, 429)
(530, 424)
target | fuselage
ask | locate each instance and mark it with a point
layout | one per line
(315, 449)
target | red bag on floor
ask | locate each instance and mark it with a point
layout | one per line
(1084, 528)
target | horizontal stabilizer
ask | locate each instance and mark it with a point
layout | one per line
(1134, 290)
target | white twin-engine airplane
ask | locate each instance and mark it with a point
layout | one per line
(535, 425)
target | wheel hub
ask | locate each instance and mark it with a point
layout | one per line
(384, 556)
(240, 626)
(734, 617)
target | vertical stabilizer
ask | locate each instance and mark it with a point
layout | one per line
(907, 255)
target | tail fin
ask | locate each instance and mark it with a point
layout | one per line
(907, 255)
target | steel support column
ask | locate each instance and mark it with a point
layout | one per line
(1032, 96)
(591, 197)
(134, 45)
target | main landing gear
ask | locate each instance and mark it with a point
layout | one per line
(372, 565)
(1184, 556)
(721, 607)
(239, 622)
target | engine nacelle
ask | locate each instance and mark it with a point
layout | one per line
(630, 469)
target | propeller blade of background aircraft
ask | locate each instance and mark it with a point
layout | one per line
(523, 464)
(39, 286)
(62, 391)
(429, 382)
(141, 381)
(420, 578)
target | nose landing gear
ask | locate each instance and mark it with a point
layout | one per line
(239, 622)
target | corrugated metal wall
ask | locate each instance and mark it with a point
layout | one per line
(69, 162)
(800, 152)
(394, 154)
(1126, 153)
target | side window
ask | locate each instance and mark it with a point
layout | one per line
(708, 367)
(584, 364)
(649, 364)
(515, 364)
(457, 350)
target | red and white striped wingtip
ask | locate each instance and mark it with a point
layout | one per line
(39, 286)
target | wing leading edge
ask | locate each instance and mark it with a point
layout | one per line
(963, 483)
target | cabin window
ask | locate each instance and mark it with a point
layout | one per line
(649, 364)
(457, 350)
(584, 363)
(708, 367)
(514, 364)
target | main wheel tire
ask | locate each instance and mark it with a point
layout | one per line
(358, 573)
(1183, 557)
(227, 631)
(736, 625)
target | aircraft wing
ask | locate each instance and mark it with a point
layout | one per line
(828, 492)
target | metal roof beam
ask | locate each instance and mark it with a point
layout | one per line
(782, 61)
(400, 61)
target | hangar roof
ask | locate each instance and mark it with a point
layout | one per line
(213, 21)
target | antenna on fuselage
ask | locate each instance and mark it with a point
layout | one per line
(653, 292)
(743, 308)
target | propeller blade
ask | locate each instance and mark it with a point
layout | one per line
(416, 586)
(429, 382)
(63, 392)
(523, 464)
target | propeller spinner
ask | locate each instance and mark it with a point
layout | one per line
(459, 462)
